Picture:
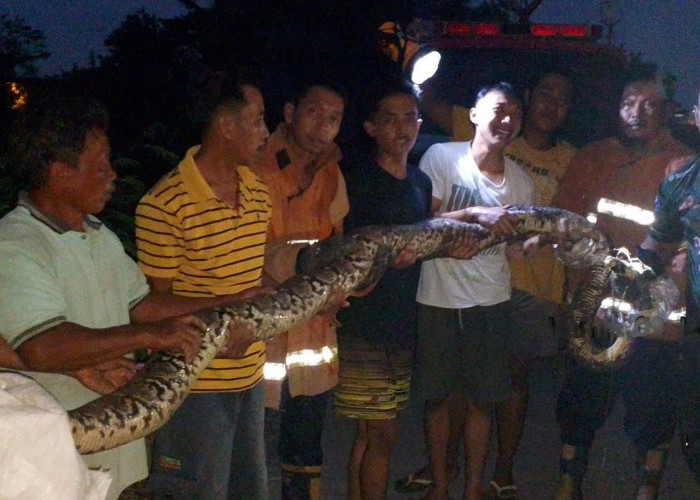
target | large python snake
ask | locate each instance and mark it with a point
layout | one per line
(336, 266)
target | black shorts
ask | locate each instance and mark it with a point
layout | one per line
(464, 350)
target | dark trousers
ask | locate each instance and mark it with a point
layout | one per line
(690, 415)
(650, 383)
(300, 449)
(301, 428)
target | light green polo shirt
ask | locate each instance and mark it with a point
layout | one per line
(50, 274)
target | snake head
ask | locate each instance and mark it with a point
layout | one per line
(630, 279)
(639, 303)
(577, 242)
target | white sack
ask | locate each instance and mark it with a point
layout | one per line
(38, 459)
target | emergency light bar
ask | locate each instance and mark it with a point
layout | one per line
(469, 29)
(564, 30)
(462, 29)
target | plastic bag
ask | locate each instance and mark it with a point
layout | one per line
(38, 459)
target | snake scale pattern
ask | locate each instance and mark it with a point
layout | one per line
(336, 266)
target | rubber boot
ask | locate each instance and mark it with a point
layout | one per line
(301, 483)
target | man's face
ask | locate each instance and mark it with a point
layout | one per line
(642, 113)
(696, 113)
(497, 119)
(549, 103)
(315, 122)
(248, 133)
(90, 185)
(395, 125)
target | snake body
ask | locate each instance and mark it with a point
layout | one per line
(336, 266)
(637, 304)
(584, 306)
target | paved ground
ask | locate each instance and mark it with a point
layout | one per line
(611, 468)
(611, 472)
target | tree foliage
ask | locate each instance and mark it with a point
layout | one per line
(520, 10)
(21, 46)
(144, 76)
(504, 11)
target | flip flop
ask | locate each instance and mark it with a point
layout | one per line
(412, 484)
(509, 491)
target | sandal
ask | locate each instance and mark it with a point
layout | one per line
(508, 491)
(413, 483)
(421, 480)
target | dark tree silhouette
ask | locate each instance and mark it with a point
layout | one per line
(522, 9)
(21, 47)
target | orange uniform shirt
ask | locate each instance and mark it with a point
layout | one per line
(310, 350)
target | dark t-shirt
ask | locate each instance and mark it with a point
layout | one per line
(677, 213)
(387, 315)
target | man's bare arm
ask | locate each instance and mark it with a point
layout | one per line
(161, 297)
(8, 357)
(69, 346)
(102, 379)
(496, 219)
(161, 303)
(665, 251)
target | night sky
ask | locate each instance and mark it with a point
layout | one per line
(666, 32)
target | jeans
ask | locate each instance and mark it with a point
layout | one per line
(213, 448)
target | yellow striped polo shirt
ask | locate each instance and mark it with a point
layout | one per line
(208, 248)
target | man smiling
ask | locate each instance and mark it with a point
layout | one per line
(464, 311)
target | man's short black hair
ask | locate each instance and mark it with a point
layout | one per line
(382, 90)
(504, 88)
(221, 90)
(52, 127)
(650, 79)
(536, 78)
(307, 87)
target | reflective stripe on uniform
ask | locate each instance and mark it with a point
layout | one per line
(625, 211)
(302, 358)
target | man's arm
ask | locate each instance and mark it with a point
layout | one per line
(468, 247)
(157, 230)
(340, 206)
(453, 120)
(9, 358)
(496, 219)
(578, 182)
(68, 346)
(35, 320)
(161, 303)
(161, 298)
(666, 232)
(656, 254)
(103, 379)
